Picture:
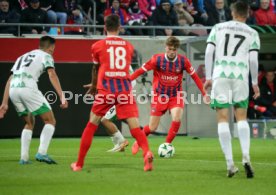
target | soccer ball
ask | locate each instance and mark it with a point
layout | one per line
(166, 150)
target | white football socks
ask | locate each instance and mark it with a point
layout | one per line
(45, 138)
(244, 136)
(225, 143)
(118, 138)
(26, 137)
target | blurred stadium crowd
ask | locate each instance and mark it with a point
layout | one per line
(131, 12)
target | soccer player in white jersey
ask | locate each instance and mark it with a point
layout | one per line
(108, 122)
(235, 46)
(28, 101)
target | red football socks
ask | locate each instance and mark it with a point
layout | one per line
(86, 140)
(146, 130)
(173, 131)
(141, 139)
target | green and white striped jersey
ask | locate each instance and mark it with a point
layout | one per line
(28, 68)
(233, 40)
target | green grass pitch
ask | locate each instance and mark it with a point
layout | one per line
(198, 167)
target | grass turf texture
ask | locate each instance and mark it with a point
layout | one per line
(198, 167)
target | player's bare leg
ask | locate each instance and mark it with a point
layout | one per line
(117, 138)
(46, 137)
(225, 140)
(244, 137)
(153, 125)
(176, 114)
(86, 140)
(26, 137)
(142, 142)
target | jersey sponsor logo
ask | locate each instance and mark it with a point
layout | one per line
(22, 75)
(115, 74)
(169, 78)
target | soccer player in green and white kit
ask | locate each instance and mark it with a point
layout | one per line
(28, 101)
(116, 136)
(235, 46)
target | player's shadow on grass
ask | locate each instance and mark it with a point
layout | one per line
(207, 172)
(115, 166)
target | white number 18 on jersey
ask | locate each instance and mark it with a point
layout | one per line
(117, 57)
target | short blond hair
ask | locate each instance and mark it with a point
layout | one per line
(173, 42)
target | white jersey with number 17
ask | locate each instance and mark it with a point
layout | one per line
(233, 41)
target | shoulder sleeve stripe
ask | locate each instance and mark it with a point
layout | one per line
(211, 43)
(192, 72)
(49, 67)
(254, 50)
(143, 67)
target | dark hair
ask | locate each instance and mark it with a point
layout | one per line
(173, 42)
(241, 8)
(112, 23)
(46, 41)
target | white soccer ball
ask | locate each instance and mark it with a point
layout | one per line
(166, 150)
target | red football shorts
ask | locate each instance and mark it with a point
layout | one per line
(160, 105)
(124, 102)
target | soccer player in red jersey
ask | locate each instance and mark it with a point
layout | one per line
(168, 70)
(110, 79)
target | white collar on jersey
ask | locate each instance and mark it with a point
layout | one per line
(170, 60)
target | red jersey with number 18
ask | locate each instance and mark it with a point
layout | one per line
(113, 54)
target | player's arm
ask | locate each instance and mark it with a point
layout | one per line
(198, 83)
(191, 71)
(209, 54)
(95, 70)
(253, 64)
(56, 84)
(137, 73)
(149, 65)
(93, 86)
(4, 106)
(209, 60)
